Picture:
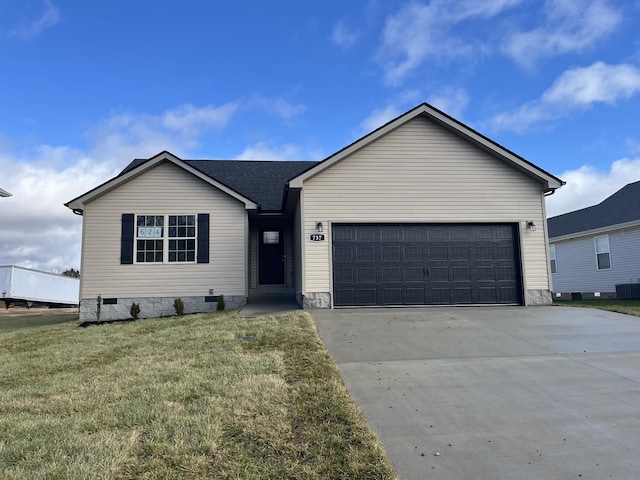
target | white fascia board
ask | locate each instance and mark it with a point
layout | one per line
(4, 193)
(595, 231)
(79, 202)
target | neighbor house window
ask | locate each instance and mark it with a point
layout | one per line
(552, 258)
(603, 254)
(165, 238)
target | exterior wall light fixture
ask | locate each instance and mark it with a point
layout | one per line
(319, 228)
(531, 226)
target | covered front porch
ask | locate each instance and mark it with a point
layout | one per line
(271, 259)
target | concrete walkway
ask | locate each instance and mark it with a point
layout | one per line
(495, 392)
(269, 306)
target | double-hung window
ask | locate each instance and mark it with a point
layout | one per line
(182, 238)
(603, 253)
(165, 239)
(552, 258)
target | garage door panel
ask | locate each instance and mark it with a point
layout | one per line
(506, 274)
(414, 274)
(345, 296)
(440, 296)
(459, 232)
(366, 275)
(460, 253)
(508, 295)
(438, 252)
(365, 233)
(343, 253)
(391, 274)
(414, 296)
(390, 253)
(462, 295)
(460, 274)
(486, 274)
(412, 253)
(412, 233)
(392, 296)
(344, 275)
(487, 295)
(439, 274)
(416, 264)
(365, 253)
(391, 233)
(366, 296)
(437, 232)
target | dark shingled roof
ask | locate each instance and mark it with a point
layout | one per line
(621, 207)
(263, 182)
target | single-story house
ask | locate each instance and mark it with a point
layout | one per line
(4, 193)
(596, 248)
(422, 211)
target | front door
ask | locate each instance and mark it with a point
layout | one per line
(271, 256)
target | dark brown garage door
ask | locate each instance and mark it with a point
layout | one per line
(428, 264)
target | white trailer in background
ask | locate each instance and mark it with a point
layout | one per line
(27, 286)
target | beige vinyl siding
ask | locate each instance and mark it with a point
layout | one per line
(297, 240)
(165, 189)
(422, 173)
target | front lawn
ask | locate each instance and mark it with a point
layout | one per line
(630, 307)
(199, 396)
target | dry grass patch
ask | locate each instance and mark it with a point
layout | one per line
(179, 398)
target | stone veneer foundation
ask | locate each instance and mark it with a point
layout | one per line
(539, 297)
(152, 307)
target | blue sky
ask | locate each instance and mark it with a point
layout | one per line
(85, 87)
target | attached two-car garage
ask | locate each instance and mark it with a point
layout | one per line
(426, 264)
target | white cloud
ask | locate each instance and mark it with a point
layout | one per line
(451, 101)
(274, 106)
(587, 186)
(38, 230)
(379, 117)
(344, 37)
(422, 31)
(575, 89)
(597, 83)
(189, 118)
(265, 151)
(571, 26)
(35, 27)
(127, 135)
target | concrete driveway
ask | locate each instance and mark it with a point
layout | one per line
(495, 392)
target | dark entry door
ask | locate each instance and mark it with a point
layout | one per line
(426, 264)
(271, 256)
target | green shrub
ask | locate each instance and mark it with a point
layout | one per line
(178, 304)
(220, 307)
(134, 310)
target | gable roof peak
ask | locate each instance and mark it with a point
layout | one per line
(550, 182)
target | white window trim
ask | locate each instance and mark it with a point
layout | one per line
(553, 261)
(165, 239)
(608, 251)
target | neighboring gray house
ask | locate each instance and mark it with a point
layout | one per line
(4, 193)
(422, 211)
(593, 249)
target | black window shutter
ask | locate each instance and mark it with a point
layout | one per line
(126, 240)
(203, 238)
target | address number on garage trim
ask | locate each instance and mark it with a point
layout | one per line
(316, 237)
